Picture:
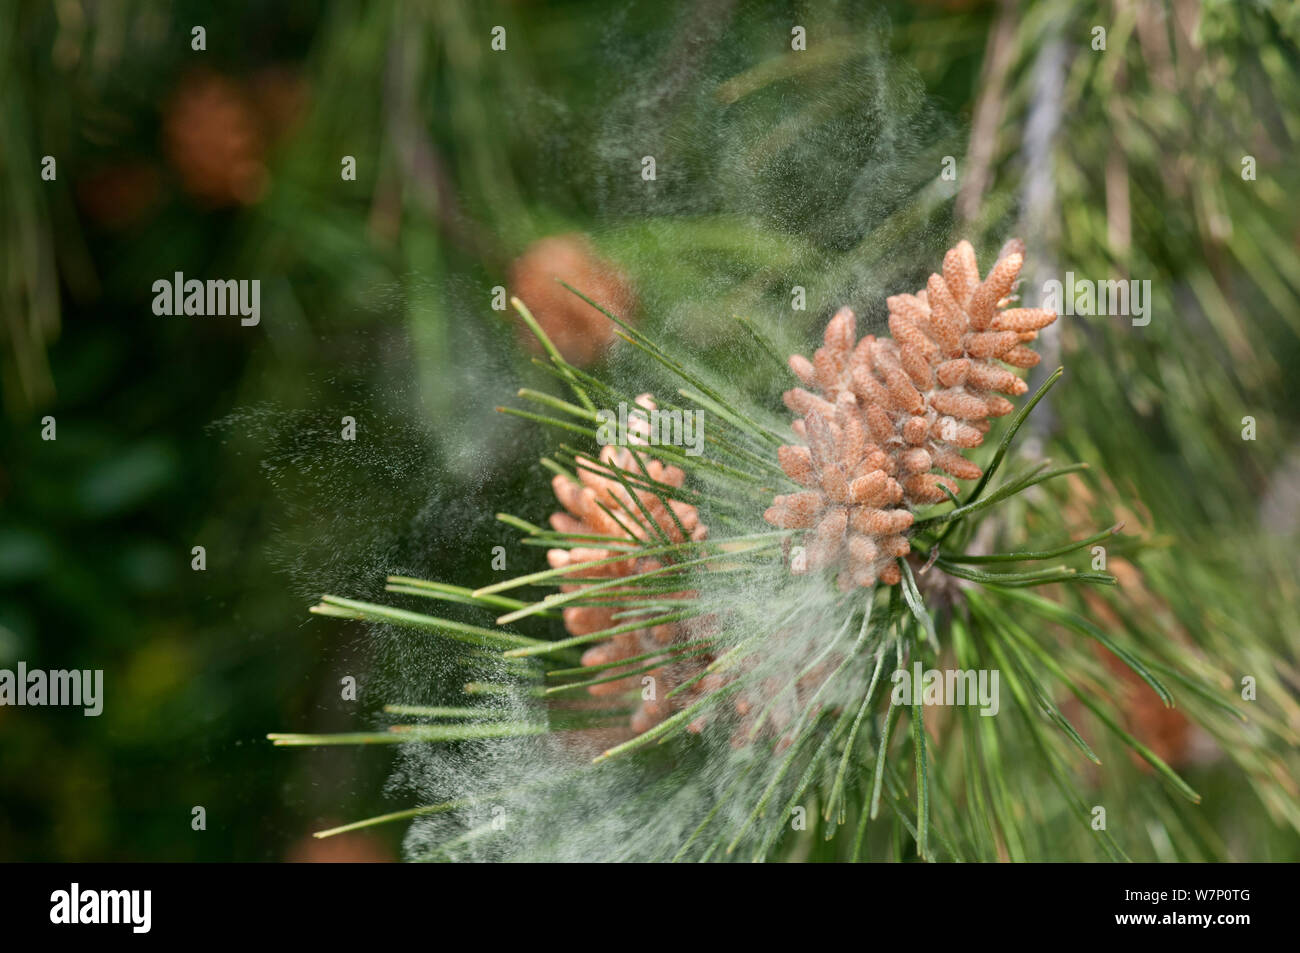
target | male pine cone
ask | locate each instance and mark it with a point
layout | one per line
(890, 412)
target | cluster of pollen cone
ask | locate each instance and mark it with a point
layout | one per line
(602, 505)
(884, 420)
